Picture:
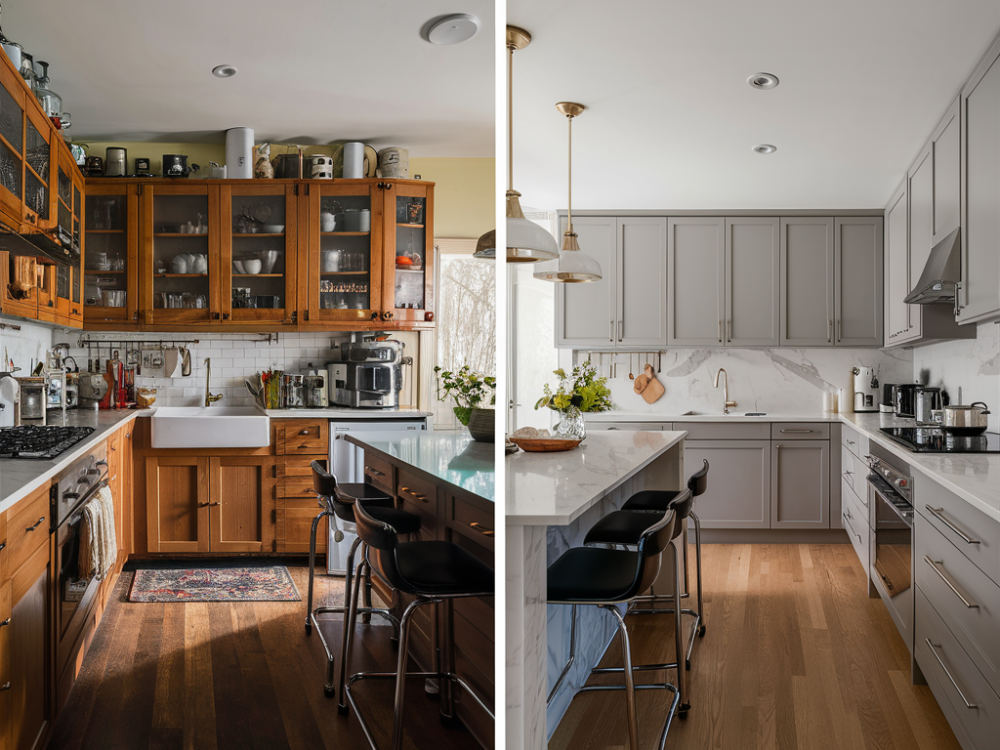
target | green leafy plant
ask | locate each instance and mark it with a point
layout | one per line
(583, 389)
(468, 389)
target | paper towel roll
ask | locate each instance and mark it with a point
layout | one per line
(354, 160)
(239, 153)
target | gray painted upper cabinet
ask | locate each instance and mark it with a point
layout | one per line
(806, 281)
(979, 297)
(696, 248)
(585, 313)
(946, 143)
(897, 268)
(627, 307)
(642, 280)
(858, 265)
(752, 273)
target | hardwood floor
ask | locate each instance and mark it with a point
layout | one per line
(214, 676)
(796, 657)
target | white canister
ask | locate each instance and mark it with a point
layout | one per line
(364, 220)
(394, 162)
(239, 153)
(354, 160)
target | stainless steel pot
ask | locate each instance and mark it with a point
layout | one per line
(965, 420)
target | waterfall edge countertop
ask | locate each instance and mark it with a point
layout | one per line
(450, 458)
(544, 489)
(20, 477)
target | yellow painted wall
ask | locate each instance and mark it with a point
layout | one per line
(464, 196)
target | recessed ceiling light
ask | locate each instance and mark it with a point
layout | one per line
(224, 71)
(765, 148)
(453, 29)
(763, 81)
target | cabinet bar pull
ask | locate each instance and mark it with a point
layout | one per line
(4, 687)
(720, 330)
(960, 693)
(212, 505)
(621, 333)
(612, 334)
(5, 623)
(2, 545)
(829, 330)
(481, 529)
(947, 580)
(848, 473)
(37, 524)
(729, 326)
(373, 472)
(838, 330)
(937, 512)
(798, 432)
(850, 442)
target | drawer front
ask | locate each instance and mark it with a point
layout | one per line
(292, 529)
(302, 436)
(800, 431)
(421, 497)
(725, 430)
(472, 521)
(295, 466)
(854, 441)
(858, 512)
(27, 529)
(965, 598)
(855, 472)
(974, 533)
(954, 680)
(379, 473)
(296, 487)
(858, 533)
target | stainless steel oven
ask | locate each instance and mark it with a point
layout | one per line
(890, 505)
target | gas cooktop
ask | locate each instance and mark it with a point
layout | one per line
(42, 442)
(936, 440)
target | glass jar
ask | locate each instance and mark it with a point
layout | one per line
(569, 424)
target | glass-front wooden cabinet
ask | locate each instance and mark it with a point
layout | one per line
(11, 145)
(341, 263)
(258, 252)
(110, 273)
(39, 198)
(410, 237)
(179, 241)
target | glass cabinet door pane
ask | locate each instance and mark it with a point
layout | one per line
(411, 245)
(345, 255)
(36, 179)
(65, 188)
(258, 253)
(180, 252)
(106, 270)
(11, 121)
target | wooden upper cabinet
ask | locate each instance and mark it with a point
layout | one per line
(806, 283)
(19, 280)
(111, 261)
(180, 262)
(259, 235)
(341, 254)
(946, 143)
(40, 209)
(897, 267)
(407, 215)
(12, 101)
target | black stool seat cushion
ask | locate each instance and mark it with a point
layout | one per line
(440, 568)
(652, 500)
(622, 527)
(593, 574)
(361, 491)
(402, 521)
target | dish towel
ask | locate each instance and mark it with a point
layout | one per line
(98, 546)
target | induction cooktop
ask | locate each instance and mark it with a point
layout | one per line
(936, 440)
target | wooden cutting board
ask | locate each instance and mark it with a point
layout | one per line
(647, 386)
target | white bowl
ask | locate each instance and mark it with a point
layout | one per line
(252, 266)
(238, 266)
(272, 228)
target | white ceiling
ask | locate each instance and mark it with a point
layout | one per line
(671, 119)
(310, 71)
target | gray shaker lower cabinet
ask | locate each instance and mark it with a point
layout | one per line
(739, 482)
(800, 484)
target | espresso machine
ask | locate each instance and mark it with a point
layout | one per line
(866, 393)
(366, 373)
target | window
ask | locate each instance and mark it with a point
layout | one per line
(466, 318)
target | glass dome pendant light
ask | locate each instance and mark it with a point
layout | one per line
(572, 266)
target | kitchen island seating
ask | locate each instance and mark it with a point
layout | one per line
(607, 578)
(625, 527)
(338, 501)
(429, 571)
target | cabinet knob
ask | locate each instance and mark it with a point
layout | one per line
(374, 315)
(388, 315)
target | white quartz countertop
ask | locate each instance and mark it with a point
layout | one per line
(347, 414)
(555, 489)
(20, 477)
(623, 416)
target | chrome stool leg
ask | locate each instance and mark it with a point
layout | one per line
(312, 568)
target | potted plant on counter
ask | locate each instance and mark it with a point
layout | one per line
(472, 392)
(580, 392)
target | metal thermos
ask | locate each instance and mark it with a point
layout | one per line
(926, 401)
(115, 162)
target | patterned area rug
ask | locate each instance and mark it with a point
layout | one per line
(273, 584)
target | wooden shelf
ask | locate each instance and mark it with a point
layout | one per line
(105, 231)
(101, 273)
(404, 269)
(180, 275)
(345, 273)
(180, 234)
(259, 275)
(412, 226)
(344, 234)
(257, 234)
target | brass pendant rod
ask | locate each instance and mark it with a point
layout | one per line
(510, 116)
(569, 206)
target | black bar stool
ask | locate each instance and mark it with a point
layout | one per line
(624, 528)
(430, 571)
(338, 502)
(606, 578)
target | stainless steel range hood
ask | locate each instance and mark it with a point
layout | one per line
(40, 245)
(939, 279)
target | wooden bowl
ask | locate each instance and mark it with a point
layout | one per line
(545, 444)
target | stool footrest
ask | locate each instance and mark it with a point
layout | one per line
(635, 668)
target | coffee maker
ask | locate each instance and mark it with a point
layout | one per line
(865, 391)
(366, 373)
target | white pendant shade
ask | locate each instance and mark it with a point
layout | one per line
(528, 243)
(572, 266)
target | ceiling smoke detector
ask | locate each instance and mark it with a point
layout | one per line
(224, 71)
(453, 29)
(765, 148)
(763, 81)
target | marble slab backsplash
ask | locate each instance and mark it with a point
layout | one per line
(776, 381)
(971, 364)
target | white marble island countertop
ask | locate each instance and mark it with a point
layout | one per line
(557, 488)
